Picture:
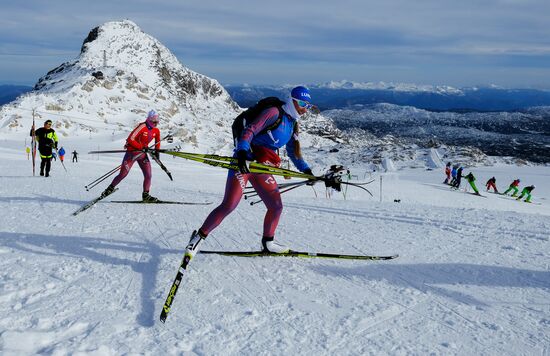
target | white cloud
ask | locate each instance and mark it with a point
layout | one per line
(296, 34)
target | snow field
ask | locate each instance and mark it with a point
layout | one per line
(472, 276)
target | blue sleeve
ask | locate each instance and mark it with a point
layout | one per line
(299, 162)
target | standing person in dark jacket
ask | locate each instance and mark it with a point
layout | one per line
(458, 179)
(47, 140)
(75, 156)
(491, 183)
(453, 175)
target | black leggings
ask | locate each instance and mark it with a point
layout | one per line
(47, 162)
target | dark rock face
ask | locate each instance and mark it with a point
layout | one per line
(92, 36)
(98, 75)
(42, 82)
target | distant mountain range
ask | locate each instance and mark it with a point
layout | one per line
(344, 95)
(521, 134)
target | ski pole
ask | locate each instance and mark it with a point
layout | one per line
(252, 192)
(156, 159)
(284, 191)
(102, 178)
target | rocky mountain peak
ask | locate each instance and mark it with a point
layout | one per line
(120, 74)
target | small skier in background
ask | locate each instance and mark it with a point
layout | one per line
(471, 179)
(138, 140)
(448, 173)
(458, 178)
(28, 150)
(513, 186)
(526, 191)
(75, 156)
(61, 154)
(453, 175)
(492, 183)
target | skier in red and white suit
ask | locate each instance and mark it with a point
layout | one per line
(139, 139)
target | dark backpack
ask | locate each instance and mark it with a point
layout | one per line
(250, 115)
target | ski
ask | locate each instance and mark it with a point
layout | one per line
(91, 203)
(190, 251)
(33, 146)
(174, 288)
(159, 202)
(293, 253)
(453, 189)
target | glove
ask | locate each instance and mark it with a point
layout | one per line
(310, 181)
(155, 154)
(241, 162)
(55, 144)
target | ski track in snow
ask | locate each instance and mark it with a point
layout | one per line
(472, 276)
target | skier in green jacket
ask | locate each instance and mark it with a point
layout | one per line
(513, 186)
(526, 191)
(471, 179)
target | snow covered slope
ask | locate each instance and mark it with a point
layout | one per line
(472, 277)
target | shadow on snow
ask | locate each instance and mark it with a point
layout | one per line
(427, 277)
(88, 248)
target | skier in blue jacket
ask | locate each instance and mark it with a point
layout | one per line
(261, 147)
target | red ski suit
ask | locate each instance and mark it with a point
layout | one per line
(138, 139)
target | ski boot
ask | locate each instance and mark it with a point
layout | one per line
(149, 198)
(108, 191)
(269, 245)
(193, 245)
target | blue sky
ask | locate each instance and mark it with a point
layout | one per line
(440, 42)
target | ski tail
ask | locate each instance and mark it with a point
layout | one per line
(174, 288)
(92, 203)
(190, 251)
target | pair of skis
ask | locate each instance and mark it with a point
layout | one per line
(187, 258)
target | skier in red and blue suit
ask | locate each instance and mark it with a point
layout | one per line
(261, 147)
(139, 139)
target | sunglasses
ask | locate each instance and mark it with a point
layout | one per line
(303, 104)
